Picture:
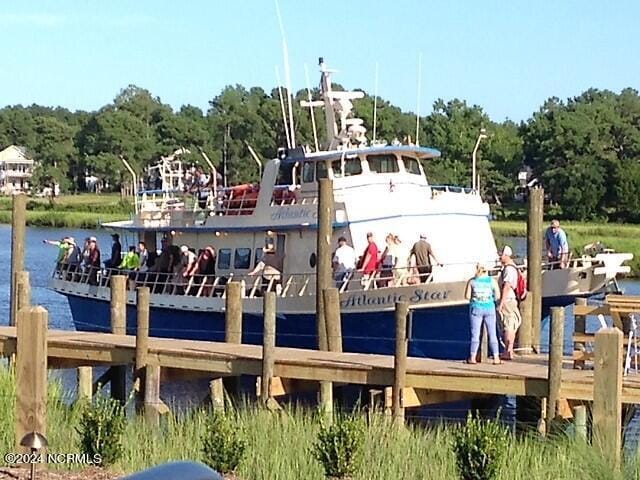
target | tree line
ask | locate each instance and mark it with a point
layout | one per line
(585, 151)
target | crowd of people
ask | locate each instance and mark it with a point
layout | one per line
(395, 265)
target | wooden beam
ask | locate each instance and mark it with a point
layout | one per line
(554, 372)
(118, 288)
(268, 344)
(142, 344)
(31, 373)
(534, 263)
(18, 229)
(400, 362)
(607, 394)
(415, 397)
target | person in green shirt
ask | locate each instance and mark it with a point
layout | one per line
(131, 260)
(63, 247)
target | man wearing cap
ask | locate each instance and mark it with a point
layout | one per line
(508, 311)
(344, 262)
(555, 240)
(116, 252)
(421, 253)
(370, 259)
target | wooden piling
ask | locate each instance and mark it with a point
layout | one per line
(331, 301)
(232, 334)
(233, 313)
(142, 343)
(85, 383)
(525, 332)
(607, 394)
(152, 404)
(31, 372)
(534, 262)
(18, 229)
(580, 325)
(580, 422)
(556, 340)
(400, 362)
(23, 290)
(119, 327)
(323, 279)
(268, 345)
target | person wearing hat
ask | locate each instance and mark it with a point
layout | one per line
(555, 240)
(116, 252)
(482, 292)
(271, 265)
(63, 247)
(508, 310)
(421, 255)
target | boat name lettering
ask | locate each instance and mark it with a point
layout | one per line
(419, 295)
(289, 213)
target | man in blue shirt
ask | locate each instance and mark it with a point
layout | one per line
(555, 240)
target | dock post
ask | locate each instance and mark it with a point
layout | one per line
(525, 331)
(580, 422)
(580, 325)
(85, 383)
(556, 341)
(232, 334)
(152, 394)
(268, 346)
(119, 327)
(18, 228)
(142, 344)
(400, 362)
(324, 279)
(607, 394)
(31, 372)
(534, 262)
(23, 290)
(331, 301)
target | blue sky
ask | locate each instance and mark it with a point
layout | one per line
(506, 56)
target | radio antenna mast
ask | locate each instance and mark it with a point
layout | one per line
(375, 105)
(418, 102)
(284, 112)
(313, 117)
(287, 74)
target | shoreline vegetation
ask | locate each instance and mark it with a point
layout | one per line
(280, 444)
(90, 210)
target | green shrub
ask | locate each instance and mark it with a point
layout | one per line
(339, 447)
(480, 448)
(102, 423)
(223, 442)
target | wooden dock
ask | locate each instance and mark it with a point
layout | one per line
(526, 376)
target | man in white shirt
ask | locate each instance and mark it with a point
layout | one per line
(344, 262)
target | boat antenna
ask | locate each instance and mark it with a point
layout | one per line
(313, 117)
(284, 112)
(375, 105)
(418, 101)
(287, 74)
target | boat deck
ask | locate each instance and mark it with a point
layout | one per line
(523, 376)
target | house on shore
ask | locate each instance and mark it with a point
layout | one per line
(16, 169)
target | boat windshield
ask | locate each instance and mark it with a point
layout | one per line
(385, 163)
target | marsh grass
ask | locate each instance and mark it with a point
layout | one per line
(280, 445)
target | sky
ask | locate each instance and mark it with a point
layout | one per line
(506, 56)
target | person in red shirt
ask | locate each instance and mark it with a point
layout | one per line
(370, 258)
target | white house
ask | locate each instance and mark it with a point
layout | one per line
(15, 170)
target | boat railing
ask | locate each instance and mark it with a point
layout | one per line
(285, 285)
(290, 195)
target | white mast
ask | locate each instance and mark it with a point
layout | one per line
(418, 100)
(313, 117)
(287, 74)
(284, 112)
(375, 106)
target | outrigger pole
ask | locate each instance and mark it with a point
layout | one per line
(284, 112)
(135, 183)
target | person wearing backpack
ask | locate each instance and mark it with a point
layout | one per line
(508, 312)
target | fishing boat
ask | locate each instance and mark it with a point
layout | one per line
(377, 189)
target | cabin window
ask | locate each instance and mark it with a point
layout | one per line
(242, 259)
(411, 165)
(308, 170)
(285, 174)
(352, 166)
(383, 163)
(336, 166)
(224, 258)
(259, 253)
(321, 170)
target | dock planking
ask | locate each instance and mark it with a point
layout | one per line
(523, 376)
